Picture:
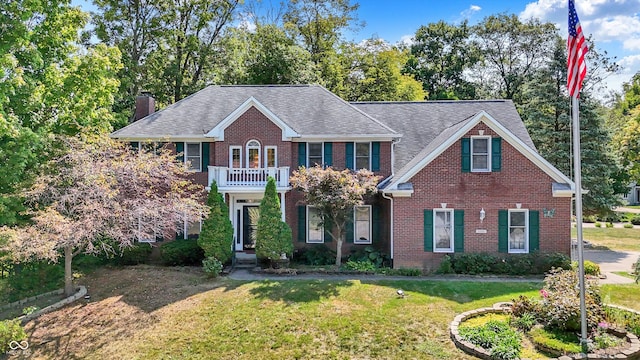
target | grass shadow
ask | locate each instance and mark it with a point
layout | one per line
(298, 291)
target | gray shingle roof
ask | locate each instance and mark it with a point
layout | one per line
(308, 109)
(426, 124)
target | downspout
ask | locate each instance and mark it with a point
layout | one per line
(384, 195)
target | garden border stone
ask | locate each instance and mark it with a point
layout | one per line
(631, 352)
(81, 291)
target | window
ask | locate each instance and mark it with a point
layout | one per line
(518, 231)
(147, 229)
(235, 157)
(253, 154)
(192, 230)
(443, 230)
(315, 230)
(314, 154)
(481, 154)
(362, 225)
(270, 156)
(194, 156)
(363, 156)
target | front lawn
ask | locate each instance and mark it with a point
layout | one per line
(162, 313)
(619, 239)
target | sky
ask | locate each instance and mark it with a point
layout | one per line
(613, 24)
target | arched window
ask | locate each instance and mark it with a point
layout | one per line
(253, 154)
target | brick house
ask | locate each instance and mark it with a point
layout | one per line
(457, 176)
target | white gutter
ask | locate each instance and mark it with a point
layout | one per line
(384, 195)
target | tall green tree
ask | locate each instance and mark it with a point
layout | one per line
(216, 237)
(375, 73)
(440, 54)
(545, 110)
(273, 235)
(50, 87)
(624, 121)
(512, 50)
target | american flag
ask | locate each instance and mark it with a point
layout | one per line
(577, 49)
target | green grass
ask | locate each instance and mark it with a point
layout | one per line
(612, 238)
(317, 320)
(626, 295)
(625, 274)
(560, 341)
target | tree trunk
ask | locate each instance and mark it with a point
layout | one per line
(68, 274)
(339, 251)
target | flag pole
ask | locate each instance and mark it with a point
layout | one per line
(578, 193)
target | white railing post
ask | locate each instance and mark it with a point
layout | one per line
(283, 181)
(222, 176)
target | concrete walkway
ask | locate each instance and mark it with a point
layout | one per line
(613, 261)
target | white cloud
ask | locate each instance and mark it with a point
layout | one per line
(406, 40)
(630, 61)
(466, 14)
(632, 43)
(619, 27)
(542, 9)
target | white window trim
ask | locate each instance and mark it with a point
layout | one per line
(488, 169)
(247, 147)
(526, 232)
(266, 152)
(141, 240)
(452, 240)
(321, 153)
(185, 229)
(356, 238)
(186, 156)
(309, 228)
(231, 148)
(355, 154)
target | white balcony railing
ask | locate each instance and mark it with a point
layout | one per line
(248, 177)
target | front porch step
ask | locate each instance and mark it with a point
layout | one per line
(245, 261)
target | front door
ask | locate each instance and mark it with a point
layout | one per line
(249, 226)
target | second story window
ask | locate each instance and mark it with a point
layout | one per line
(235, 157)
(480, 154)
(253, 154)
(363, 156)
(270, 156)
(193, 155)
(314, 156)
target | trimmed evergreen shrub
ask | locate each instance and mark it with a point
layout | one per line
(181, 253)
(273, 235)
(628, 226)
(590, 268)
(635, 220)
(212, 266)
(137, 254)
(216, 237)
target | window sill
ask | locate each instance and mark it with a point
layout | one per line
(444, 251)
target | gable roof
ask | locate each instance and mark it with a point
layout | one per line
(307, 111)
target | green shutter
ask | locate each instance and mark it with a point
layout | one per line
(503, 231)
(496, 154)
(428, 230)
(180, 151)
(328, 229)
(302, 223)
(376, 227)
(375, 156)
(466, 154)
(328, 154)
(534, 230)
(349, 156)
(205, 156)
(135, 145)
(458, 231)
(348, 228)
(302, 154)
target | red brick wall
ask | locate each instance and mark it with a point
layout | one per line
(442, 181)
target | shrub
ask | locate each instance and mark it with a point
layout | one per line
(524, 322)
(597, 224)
(370, 254)
(473, 263)
(560, 307)
(497, 337)
(319, 254)
(590, 268)
(137, 254)
(362, 265)
(635, 220)
(523, 306)
(273, 236)
(10, 330)
(628, 226)
(212, 266)
(560, 342)
(609, 225)
(181, 253)
(636, 270)
(216, 237)
(445, 265)
(623, 319)
(589, 219)
(545, 263)
(28, 279)
(400, 272)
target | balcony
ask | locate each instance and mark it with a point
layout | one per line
(248, 178)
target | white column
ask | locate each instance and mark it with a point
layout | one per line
(282, 207)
